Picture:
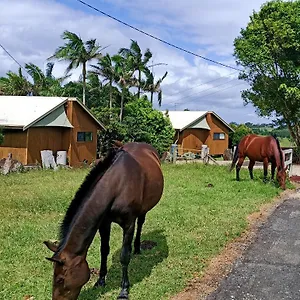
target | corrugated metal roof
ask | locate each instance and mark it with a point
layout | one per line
(26, 111)
(192, 119)
(182, 119)
(20, 111)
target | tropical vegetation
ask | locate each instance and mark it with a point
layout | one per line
(115, 88)
(268, 49)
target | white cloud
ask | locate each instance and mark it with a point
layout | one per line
(31, 29)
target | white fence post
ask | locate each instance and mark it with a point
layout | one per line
(288, 162)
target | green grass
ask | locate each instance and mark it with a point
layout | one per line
(285, 142)
(191, 224)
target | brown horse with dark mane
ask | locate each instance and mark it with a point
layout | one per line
(260, 148)
(122, 189)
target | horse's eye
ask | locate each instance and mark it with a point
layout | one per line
(59, 280)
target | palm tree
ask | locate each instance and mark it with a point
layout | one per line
(15, 84)
(124, 78)
(45, 84)
(76, 53)
(137, 61)
(154, 87)
(106, 69)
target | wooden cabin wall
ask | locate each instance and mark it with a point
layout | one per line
(82, 122)
(45, 138)
(15, 142)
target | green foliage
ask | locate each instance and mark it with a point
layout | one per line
(1, 136)
(269, 51)
(141, 123)
(149, 125)
(239, 132)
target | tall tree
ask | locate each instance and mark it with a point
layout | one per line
(15, 84)
(269, 50)
(138, 61)
(45, 84)
(152, 86)
(105, 68)
(124, 78)
(77, 52)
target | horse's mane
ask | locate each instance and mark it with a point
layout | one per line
(279, 148)
(90, 181)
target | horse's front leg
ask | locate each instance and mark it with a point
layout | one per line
(105, 235)
(266, 163)
(128, 232)
(273, 167)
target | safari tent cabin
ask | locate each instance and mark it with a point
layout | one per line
(197, 128)
(32, 124)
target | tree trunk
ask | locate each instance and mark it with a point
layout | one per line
(139, 86)
(152, 98)
(295, 133)
(110, 99)
(122, 104)
(84, 81)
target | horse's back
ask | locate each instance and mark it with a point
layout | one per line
(141, 167)
(256, 147)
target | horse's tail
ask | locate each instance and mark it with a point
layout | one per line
(279, 148)
(235, 158)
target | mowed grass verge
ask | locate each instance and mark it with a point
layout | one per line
(191, 224)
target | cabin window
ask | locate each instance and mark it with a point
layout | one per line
(84, 136)
(219, 136)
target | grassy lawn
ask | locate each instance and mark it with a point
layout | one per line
(191, 224)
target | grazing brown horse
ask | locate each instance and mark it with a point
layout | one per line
(122, 189)
(260, 148)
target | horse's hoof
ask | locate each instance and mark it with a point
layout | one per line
(123, 294)
(137, 251)
(100, 282)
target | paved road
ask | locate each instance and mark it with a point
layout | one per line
(270, 268)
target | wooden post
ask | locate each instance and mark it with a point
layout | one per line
(174, 153)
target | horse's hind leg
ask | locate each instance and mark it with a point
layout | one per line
(128, 233)
(250, 168)
(266, 163)
(238, 167)
(137, 241)
(104, 234)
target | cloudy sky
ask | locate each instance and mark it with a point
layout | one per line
(30, 30)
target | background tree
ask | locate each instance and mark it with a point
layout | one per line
(1, 136)
(15, 84)
(76, 53)
(154, 87)
(269, 50)
(137, 61)
(106, 69)
(239, 132)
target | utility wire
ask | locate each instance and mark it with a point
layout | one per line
(201, 97)
(208, 89)
(201, 84)
(158, 39)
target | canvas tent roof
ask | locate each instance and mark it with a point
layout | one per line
(33, 111)
(191, 119)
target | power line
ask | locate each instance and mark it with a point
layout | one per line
(201, 97)
(211, 88)
(13, 58)
(158, 39)
(204, 83)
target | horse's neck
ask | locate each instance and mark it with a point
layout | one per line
(86, 223)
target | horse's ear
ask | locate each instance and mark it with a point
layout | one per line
(56, 260)
(51, 245)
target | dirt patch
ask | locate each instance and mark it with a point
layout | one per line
(220, 266)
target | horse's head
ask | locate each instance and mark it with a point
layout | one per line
(70, 274)
(281, 177)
